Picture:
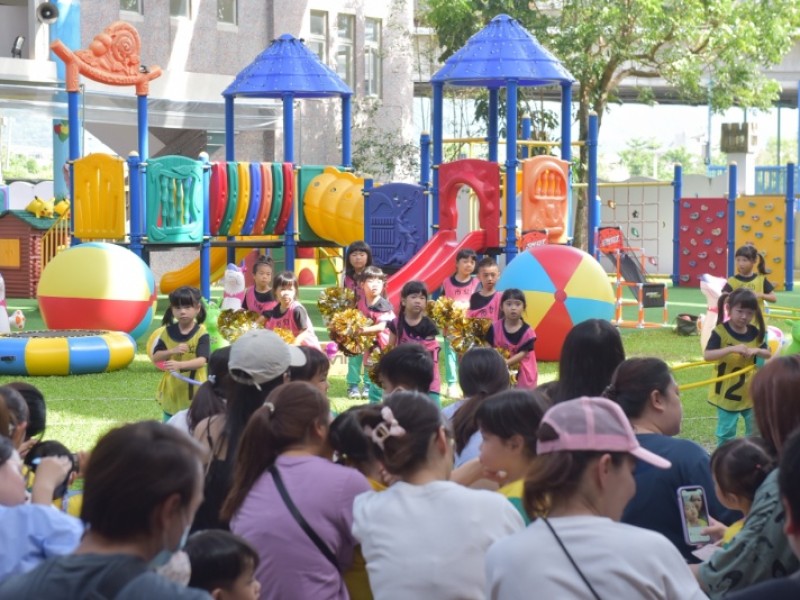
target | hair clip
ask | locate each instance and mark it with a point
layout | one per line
(212, 379)
(388, 428)
(270, 407)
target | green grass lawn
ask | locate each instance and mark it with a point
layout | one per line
(83, 407)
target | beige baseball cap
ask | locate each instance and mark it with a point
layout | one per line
(260, 355)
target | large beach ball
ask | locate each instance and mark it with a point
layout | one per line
(563, 286)
(97, 286)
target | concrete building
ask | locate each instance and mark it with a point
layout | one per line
(201, 45)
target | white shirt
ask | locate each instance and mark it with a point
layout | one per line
(430, 541)
(179, 420)
(620, 561)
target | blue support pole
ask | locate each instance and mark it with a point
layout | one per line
(677, 194)
(593, 209)
(493, 132)
(566, 121)
(205, 247)
(437, 119)
(732, 193)
(137, 228)
(425, 159)
(791, 169)
(288, 156)
(230, 153)
(347, 124)
(368, 185)
(511, 170)
(136, 201)
(527, 133)
(74, 152)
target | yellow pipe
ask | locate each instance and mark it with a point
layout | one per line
(697, 384)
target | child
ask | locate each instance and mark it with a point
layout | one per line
(289, 313)
(183, 348)
(259, 297)
(315, 371)
(735, 345)
(65, 498)
(407, 367)
(513, 334)
(413, 325)
(485, 303)
(357, 258)
(423, 517)
(508, 423)
(459, 287)
(739, 468)
(373, 303)
(224, 565)
(751, 273)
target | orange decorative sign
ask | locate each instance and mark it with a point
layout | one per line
(112, 58)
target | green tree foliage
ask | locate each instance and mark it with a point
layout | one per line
(381, 153)
(769, 155)
(707, 50)
(648, 158)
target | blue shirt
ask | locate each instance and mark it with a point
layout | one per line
(32, 533)
(655, 505)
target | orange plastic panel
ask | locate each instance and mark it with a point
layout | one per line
(545, 184)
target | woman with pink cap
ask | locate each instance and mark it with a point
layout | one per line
(582, 478)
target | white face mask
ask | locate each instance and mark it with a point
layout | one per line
(163, 557)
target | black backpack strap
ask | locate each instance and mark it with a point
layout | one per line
(287, 500)
(116, 578)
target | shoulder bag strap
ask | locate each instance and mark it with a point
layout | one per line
(571, 560)
(287, 500)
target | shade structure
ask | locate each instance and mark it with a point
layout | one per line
(502, 51)
(287, 66)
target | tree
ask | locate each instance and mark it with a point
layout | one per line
(769, 155)
(649, 159)
(707, 50)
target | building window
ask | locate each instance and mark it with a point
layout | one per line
(318, 35)
(226, 11)
(373, 61)
(179, 8)
(345, 65)
(134, 6)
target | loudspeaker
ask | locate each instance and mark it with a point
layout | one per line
(47, 13)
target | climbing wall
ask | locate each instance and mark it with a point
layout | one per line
(702, 239)
(761, 221)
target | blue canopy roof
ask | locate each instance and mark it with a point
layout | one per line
(287, 66)
(501, 51)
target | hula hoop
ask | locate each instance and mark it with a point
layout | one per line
(705, 382)
(65, 352)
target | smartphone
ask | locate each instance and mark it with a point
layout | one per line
(693, 508)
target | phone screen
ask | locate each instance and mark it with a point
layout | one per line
(694, 513)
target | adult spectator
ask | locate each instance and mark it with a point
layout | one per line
(648, 394)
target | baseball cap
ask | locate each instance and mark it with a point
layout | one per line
(260, 355)
(595, 425)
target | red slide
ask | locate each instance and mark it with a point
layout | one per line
(434, 262)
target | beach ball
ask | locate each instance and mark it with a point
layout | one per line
(97, 286)
(563, 286)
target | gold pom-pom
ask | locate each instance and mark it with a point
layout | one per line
(513, 371)
(335, 300)
(444, 312)
(465, 333)
(345, 329)
(285, 334)
(233, 323)
(373, 363)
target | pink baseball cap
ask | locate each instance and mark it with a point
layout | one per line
(595, 425)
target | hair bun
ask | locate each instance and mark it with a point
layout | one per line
(610, 392)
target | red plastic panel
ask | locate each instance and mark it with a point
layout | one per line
(218, 195)
(484, 179)
(702, 239)
(288, 196)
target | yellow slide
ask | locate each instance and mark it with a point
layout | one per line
(190, 274)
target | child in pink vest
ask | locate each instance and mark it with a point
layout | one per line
(413, 325)
(289, 313)
(258, 297)
(485, 303)
(374, 305)
(357, 258)
(513, 334)
(459, 287)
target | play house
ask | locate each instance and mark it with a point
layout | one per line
(27, 243)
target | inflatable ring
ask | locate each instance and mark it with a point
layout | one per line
(65, 352)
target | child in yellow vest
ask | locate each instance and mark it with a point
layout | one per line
(751, 273)
(734, 345)
(182, 351)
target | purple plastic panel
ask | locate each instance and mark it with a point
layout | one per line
(398, 215)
